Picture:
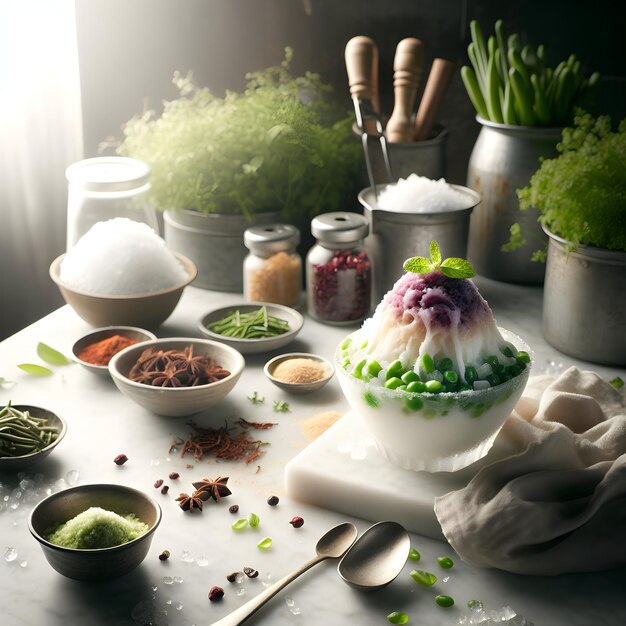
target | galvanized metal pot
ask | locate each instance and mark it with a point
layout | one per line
(396, 236)
(584, 302)
(214, 242)
(503, 159)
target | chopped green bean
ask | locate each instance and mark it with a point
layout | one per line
(21, 433)
(257, 324)
(426, 579)
(444, 601)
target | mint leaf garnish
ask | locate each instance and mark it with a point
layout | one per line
(435, 253)
(452, 267)
(457, 268)
(418, 265)
(52, 356)
(35, 370)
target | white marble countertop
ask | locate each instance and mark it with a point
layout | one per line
(102, 423)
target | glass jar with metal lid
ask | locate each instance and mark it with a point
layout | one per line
(338, 270)
(103, 188)
(272, 271)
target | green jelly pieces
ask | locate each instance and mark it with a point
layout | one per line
(393, 383)
(428, 365)
(395, 370)
(417, 386)
(445, 562)
(371, 399)
(426, 579)
(409, 377)
(444, 364)
(445, 601)
(433, 386)
(414, 404)
(398, 617)
(374, 367)
(414, 555)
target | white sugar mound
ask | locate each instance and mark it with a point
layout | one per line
(121, 257)
(418, 194)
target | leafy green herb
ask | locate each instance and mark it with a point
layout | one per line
(257, 324)
(35, 370)
(255, 398)
(452, 267)
(52, 356)
(398, 617)
(280, 406)
(617, 382)
(581, 194)
(264, 544)
(280, 145)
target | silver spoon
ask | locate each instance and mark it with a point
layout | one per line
(377, 557)
(332, 545)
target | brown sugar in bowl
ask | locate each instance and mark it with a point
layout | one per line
(299, 372)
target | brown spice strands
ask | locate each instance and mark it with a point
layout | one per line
(221, 443)
(255, 425)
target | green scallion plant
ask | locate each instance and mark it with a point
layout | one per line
(512, 83)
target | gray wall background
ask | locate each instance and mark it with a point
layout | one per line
(129, 49)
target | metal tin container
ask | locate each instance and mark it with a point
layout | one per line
(214, 242)
(503, 160)
(395, 236)
(584, 302)
(426, 158)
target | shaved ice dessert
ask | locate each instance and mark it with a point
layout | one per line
(121, 257)
(430, 373)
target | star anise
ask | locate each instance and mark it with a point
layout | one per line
(189, 503)
(171, 376)
(216, 489)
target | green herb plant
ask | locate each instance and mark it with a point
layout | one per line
(512, 83)
(452, 267)
(280, 145)
(581, 194)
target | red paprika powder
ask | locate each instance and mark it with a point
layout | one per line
(101, 352)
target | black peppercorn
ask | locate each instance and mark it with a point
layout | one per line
(250, 572)
(164, 555)
(273, 500)
(234, 508)
(297, 521)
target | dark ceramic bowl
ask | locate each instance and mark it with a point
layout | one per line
(100, 564)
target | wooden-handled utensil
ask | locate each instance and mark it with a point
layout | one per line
(408, 65)
(434, 92)
(361, 56)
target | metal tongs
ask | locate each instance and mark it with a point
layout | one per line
(361, 56)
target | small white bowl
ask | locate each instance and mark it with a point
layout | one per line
(298, 388)
(100, 334)
(254, 346)
(177, 401)
(20, 462)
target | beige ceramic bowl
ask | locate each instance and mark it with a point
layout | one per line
(254, 346)
(100, 334)
(144, 310)
(20, 462)
(298, 388)
(103, 563)
(179, 400)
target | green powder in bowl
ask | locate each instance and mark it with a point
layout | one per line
(97, 528)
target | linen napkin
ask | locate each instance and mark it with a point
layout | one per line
(558, 504)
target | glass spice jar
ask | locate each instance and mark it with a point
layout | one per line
(103, 188)
(272, 271)
(338, 270)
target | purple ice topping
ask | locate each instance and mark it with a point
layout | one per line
(437, 299)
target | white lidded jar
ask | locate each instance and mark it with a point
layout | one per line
(103, 188)
(272, 271)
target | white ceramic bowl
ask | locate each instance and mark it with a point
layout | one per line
(98, 564)
(179, 400)
(20, 462)
(441, 432)
(144, 310)
(254, 346)
(298, 388)
(100, 334)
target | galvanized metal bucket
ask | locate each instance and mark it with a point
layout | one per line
(214, 242)
(425, 158)
(394, 236)
(584, 302)
(503, 160)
